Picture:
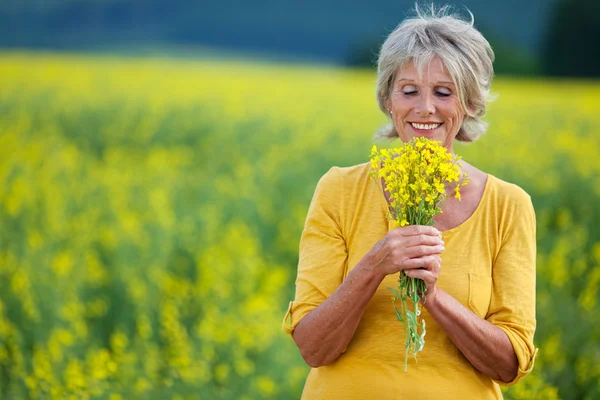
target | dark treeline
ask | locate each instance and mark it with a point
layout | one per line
(552, 37)
(572, 41)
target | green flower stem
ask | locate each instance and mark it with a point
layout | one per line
(406, 334)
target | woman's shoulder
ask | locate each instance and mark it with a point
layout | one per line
(507, 191)
(352, 171)
(509, 201)
(496, 188)
(336, 187)
(337, 178)
(346, 175)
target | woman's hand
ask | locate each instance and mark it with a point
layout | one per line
(429, 273)
(414, 249)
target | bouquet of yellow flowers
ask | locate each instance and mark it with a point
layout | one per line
(416, 176)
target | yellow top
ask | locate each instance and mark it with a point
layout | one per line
(488, 265)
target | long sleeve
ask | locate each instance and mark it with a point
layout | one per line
(322, 254)
(512, 305)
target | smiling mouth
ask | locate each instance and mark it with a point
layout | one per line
(425, 127)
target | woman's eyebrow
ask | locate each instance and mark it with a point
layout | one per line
(436, 84)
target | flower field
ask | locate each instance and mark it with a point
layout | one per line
(150, 212)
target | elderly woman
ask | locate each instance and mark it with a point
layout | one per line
(478, 262)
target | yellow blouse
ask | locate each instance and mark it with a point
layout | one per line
(488, 265)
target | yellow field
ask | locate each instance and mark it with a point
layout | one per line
(151, 211)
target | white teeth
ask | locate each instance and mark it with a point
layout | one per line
(425, 126)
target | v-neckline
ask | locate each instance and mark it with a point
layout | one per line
(473, 216)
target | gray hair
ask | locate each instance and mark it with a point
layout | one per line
(466, 54)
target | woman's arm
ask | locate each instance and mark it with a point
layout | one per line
(501, 346)
(324, 333)
(485, 345)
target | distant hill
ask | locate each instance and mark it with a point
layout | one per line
(325, 30)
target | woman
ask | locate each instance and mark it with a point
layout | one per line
(478, 263)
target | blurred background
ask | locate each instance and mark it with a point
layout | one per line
(157, 159)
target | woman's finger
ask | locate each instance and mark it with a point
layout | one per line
(415, 230)
(420, 273)
(426, 262)
(425, 240)
(423, 251)
(429, 277)
(432, 263)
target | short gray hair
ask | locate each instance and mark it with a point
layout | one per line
(466, 54)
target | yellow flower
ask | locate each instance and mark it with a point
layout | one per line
(429, 198)
(457, 192)
(439, 186)
(416, 176)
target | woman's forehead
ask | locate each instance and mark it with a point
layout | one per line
(433, 71)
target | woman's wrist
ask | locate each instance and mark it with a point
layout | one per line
(370, 265)
(371, 273)
(431, 298)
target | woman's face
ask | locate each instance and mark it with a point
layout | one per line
(427, 106)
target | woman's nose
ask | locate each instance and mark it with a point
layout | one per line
(425, 105)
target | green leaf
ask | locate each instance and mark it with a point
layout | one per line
(396, 293)
(398, 315)
(412, 318)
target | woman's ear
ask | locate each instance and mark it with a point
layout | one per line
(388, 105)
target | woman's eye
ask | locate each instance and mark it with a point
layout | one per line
(442, 93)
(409, 90)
